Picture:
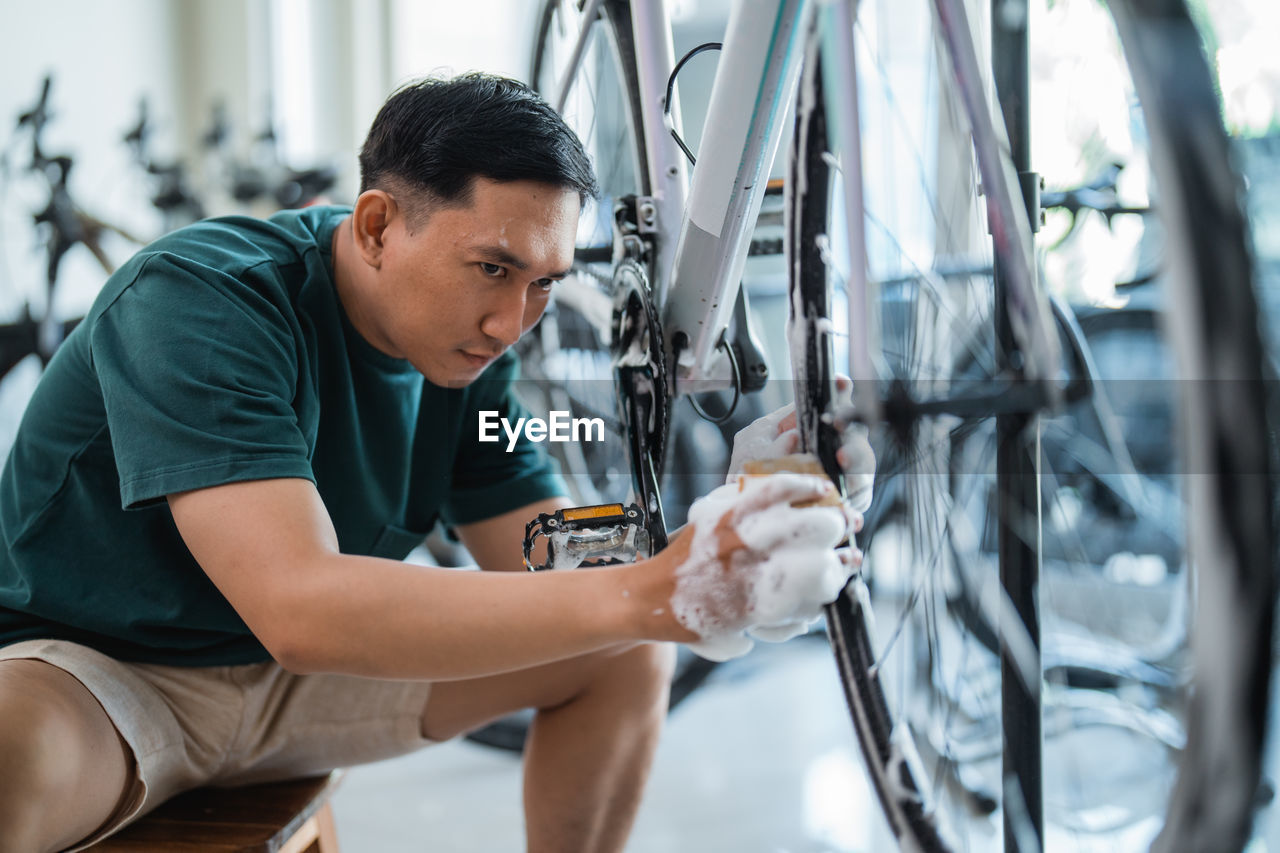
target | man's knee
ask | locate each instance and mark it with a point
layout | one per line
(658, 661)
(624, 679)
(65, 767)
(646, 670)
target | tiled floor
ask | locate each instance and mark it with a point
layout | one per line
(760, 759)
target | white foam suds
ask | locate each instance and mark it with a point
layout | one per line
(761, 439)
(776, 584)
(858, 461)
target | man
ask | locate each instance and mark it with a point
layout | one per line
(206, 506)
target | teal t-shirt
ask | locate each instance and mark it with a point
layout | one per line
(222, 353)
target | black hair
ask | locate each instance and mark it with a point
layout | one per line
(434, 136)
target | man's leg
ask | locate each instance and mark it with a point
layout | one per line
(591, 744)
(66, 768)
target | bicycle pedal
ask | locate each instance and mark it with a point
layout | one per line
(599, 535)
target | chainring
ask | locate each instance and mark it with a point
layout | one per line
(640, 367)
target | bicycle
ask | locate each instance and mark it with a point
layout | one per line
(172, 193)
(38, 333)
(942, 362)
(65, 224)
(262, 178)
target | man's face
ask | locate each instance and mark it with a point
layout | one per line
(457, 292)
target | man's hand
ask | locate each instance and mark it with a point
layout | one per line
(754, 562)
(776, 435)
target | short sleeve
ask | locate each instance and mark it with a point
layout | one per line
(197, 371)
(487, 478)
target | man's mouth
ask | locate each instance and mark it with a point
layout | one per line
(479, 359)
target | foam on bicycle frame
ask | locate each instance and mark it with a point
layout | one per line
(773, 586)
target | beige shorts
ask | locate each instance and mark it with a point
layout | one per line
(235, 725)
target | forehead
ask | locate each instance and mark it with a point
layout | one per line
(517, 209)
(527, 225)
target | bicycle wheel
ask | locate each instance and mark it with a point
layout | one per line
(1130, 528)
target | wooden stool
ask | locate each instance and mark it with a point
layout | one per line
(281, 817)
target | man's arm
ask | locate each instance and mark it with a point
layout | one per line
(496, 543)
(270, 548)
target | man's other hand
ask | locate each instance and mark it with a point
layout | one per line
(776, 435)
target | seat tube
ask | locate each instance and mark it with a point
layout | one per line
(668, 171)
(754, 88)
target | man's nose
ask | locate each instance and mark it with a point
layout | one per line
(505, 319)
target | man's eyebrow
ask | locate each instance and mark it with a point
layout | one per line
(499, 255)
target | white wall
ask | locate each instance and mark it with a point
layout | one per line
(472, 35)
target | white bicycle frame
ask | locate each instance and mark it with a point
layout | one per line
(704, 226)
(755, 84)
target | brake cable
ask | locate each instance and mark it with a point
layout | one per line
(671, 86)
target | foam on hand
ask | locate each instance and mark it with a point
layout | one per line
(858, 461)
(774, 586)
(761, 439)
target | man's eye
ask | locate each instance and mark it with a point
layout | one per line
(544, 284)
(491, 269)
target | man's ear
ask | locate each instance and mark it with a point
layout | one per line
(374, 212)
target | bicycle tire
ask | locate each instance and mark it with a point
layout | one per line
(567, 356)
(1229, 435)
(619, 57)
(1227, 451)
